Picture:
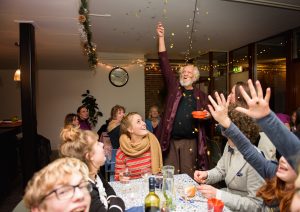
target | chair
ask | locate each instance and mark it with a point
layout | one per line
(110, 166)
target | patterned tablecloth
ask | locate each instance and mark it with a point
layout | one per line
(135, 192)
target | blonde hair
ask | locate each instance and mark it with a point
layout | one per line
(77, 143)
(56, 173)
(126, 123)
(196, 72)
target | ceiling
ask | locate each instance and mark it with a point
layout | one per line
(216, 25)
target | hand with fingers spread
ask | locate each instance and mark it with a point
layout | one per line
(207, 191)
(200, 176)
(219, 109)
(257, 103)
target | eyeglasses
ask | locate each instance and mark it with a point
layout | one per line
(68, 191)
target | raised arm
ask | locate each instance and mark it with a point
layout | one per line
(286, 142)
(219, 111)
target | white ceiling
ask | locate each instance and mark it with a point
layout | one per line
(218, 26)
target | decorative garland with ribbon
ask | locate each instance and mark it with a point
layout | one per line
(89, 48)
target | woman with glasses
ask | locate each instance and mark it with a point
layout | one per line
(61, 186)
(84, 145)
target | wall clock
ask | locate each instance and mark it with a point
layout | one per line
(118, 76)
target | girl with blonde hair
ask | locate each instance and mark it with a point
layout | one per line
(84, 145)
(139, 149)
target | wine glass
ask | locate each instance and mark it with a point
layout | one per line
(145, 174)
(124, 176)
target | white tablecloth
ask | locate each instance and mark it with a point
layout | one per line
(135, 192)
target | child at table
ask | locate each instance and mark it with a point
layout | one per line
(241, 179)
(84, 145)
(139, 149)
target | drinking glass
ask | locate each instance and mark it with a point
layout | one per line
(124, 176)
(145, 174)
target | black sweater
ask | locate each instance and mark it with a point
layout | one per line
(115, 204)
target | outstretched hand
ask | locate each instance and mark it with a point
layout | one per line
(257, 103)
(160, 30)
(219, 109)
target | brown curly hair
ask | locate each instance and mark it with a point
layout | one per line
(246, 124)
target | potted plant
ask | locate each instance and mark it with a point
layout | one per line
(89, 101)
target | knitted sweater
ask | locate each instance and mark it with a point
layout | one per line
(135, 165)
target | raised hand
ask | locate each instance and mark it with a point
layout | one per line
(160, 30)
(219, 109)
(257, 103)
(200, 176)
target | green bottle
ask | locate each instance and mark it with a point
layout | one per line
(152, 201)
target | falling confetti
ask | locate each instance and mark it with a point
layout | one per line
(172, 33)
(187, 26)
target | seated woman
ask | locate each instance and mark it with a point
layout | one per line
(153, 119)
(139, 149)
(241, 179)
(83, 114)
(71, 119)
(113, 128)
(60, 186)
(84, 145)
(278, 190)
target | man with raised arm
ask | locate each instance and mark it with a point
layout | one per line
(182, 137)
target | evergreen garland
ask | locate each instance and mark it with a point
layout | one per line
(89, 48)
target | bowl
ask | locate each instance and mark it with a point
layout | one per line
(199, 114)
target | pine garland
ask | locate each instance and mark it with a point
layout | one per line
(89, 48)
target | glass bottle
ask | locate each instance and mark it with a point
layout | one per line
(152, 201)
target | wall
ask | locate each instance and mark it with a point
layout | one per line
(10, 95)
(59, 92)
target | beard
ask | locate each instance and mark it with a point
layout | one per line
(186, 83)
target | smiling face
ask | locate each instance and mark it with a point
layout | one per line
(83, 113)
(137, 126)
(285, 172)
(119, 115)
(187, 76)
(79, 202)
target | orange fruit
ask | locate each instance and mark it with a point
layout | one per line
(190, 191)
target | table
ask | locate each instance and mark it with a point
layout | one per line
(135, 192)
(8, 154)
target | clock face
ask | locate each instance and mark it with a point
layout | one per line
(118, 76)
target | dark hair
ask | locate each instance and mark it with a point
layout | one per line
(69, 118)
(114, 111)
(80, 107)
(297, 122)
(246, 124)
(239, 99)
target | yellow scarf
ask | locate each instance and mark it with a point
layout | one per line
(112, 125)
(137, 149)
